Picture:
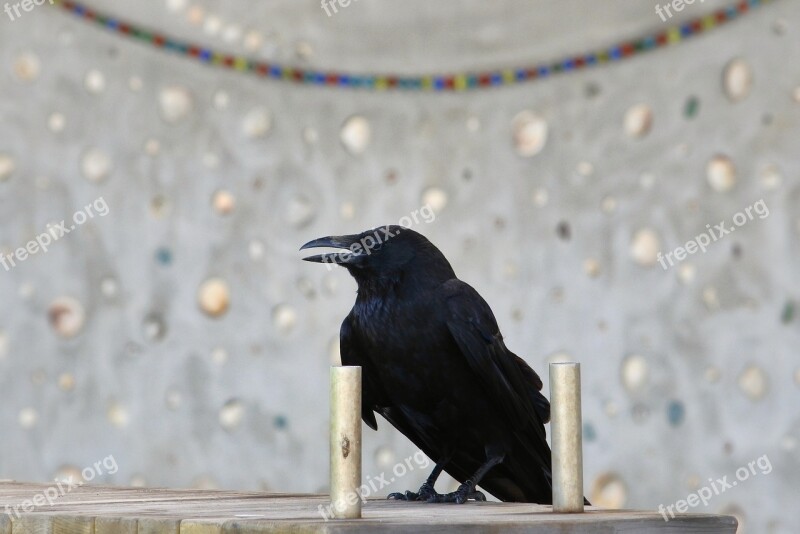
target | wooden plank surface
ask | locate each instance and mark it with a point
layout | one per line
(104, 510)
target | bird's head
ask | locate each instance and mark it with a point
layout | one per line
(381, 252)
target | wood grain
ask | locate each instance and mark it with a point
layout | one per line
(107, 510)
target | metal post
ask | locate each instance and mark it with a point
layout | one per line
(346, 442)
(565, 414)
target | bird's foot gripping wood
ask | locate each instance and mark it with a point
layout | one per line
(426, 493)
(464, 493)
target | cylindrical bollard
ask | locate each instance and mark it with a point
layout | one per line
(346, 442)
(565, 416)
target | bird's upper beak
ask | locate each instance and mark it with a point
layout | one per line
(337, 241)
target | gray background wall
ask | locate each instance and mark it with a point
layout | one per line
(688, 373)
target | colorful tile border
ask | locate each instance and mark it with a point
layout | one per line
(432, 82)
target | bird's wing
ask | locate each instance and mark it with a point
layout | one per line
(540, 402)
(507, 379)
(373, 396)
(371, 391)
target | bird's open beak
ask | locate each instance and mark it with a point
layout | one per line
(336, 241)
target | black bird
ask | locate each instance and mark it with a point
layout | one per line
(435, 366)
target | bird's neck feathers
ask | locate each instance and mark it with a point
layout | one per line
(424, 272)
(380, 291)
(378, 296)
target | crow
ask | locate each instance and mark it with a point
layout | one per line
(435, 366)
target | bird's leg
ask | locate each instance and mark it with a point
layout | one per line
(426, 492)
(467, 491)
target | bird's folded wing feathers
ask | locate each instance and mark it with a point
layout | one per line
(351, 355)
(374, 397)
(507, 379)
(540, 402)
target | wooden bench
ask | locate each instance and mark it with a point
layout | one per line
(117, 510)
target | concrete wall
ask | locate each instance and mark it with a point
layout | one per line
(689, 373)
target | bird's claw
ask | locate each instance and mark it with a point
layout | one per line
(464, 493)
(426, 493)
(477, 496)
(407, 496)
